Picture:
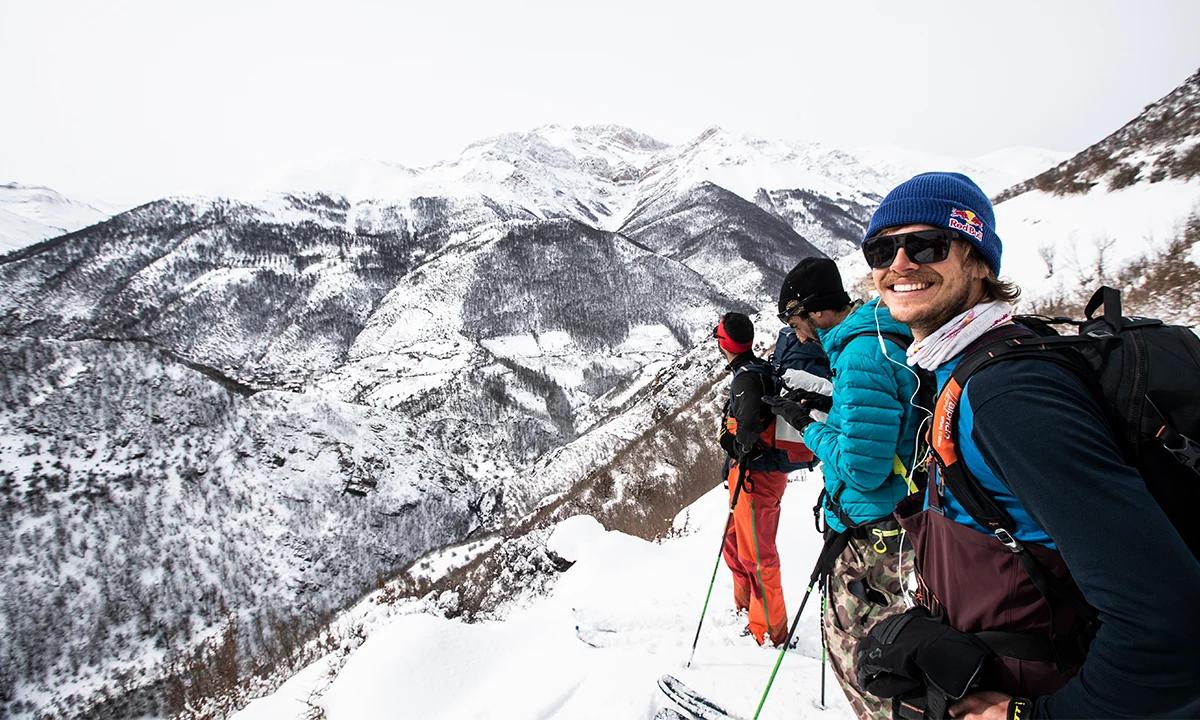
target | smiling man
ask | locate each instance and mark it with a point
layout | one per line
(1087, 609)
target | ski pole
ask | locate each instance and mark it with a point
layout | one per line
(832, 548)
(728, 521)
(824, 600)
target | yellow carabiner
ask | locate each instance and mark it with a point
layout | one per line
(881, 536)
(880, 545)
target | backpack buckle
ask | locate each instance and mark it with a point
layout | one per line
(1185, 450)
(1009, 541)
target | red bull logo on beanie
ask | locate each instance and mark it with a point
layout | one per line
(966, 221)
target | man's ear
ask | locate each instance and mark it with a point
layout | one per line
(974, 263)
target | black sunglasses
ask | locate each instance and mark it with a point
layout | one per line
(922, 247)
(795, 307)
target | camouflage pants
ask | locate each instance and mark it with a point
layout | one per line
(864, 587)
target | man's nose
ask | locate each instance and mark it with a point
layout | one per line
(901, 264)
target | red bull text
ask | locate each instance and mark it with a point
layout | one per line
(966, 221)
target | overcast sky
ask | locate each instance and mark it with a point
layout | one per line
(128, 101)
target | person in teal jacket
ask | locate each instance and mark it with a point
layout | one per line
(867, 445)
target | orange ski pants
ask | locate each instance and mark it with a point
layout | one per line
(751, 554)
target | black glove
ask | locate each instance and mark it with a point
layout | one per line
(729, 443)
(811, 400)
(754, 452)
(907, 651)
(793, 412)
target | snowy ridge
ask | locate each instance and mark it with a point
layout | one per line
(822, 193)
(1162, 142)
(744, 164)
(583, 173)
(31, 213)
(1125, 196)
(629, 411)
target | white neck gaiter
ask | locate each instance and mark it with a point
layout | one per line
(954, 337)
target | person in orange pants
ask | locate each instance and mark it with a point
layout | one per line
(751, 554)
(749, 548)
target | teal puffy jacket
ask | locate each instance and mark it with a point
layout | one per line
(871, 422)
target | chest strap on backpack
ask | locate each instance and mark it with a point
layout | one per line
(1182, 447)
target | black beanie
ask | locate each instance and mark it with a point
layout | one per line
(739, 327)
(816, 283)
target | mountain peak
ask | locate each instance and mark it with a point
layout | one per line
(628, 137)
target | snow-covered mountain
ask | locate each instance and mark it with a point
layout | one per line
(1127, 195)
(31, 213)
(601, 175)
(324, 364)
(584, 173)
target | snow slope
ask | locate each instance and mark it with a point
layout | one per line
(29, 214)
(1070, 231)
(635, 604)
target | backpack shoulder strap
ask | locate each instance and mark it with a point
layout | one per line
(759, 367)
(1003, 343)
(762, 368)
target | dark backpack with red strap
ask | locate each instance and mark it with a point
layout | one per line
(774, 457)
(1145, 375)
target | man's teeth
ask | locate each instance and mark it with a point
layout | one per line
(909, 287)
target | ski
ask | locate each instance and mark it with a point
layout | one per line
(692, 701)
(595, 637)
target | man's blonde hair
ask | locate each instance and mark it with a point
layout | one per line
(993, 287)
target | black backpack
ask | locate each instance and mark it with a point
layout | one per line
(793, 354)
(1145, 375)
(782, 460)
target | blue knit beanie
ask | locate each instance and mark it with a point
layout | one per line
(945, 200)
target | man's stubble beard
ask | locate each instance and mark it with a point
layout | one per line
(934, 318)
